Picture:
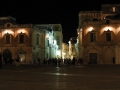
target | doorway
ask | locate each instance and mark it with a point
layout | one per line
(7, 56)
(22, 55)
(93, 58)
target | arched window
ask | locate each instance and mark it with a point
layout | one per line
(92, 36)
(21, 38)
(7, 38)
(108, 35)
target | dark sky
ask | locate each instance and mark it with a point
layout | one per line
(64, 12)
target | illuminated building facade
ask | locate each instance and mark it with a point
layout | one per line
(29, 41)
(99, 35)
(65, 51)
(47, 41)
(72, 48)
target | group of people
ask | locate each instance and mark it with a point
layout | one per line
(15, 61)
(52, 61)
(73, 62)
(58, 61)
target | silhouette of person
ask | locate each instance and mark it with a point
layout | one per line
(113, 60)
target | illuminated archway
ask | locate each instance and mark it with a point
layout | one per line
(22, 55)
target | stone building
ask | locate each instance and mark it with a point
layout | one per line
(29, 41)
(15, 39)
(47, 41)
(98, 35)
(72, 48)
(65, 51)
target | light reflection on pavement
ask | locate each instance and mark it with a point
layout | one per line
(61, 78)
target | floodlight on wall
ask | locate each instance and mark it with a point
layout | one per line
(21, 31)
(7, 32)
(47, 35)
(90, 29)
(107, 29)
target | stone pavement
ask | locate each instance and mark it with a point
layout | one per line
(43, 77)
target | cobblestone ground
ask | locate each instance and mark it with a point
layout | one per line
(34, 77)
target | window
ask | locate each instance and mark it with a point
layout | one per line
(108, 36)
(21, 39)
(8, 39)
(92, 37)
(37, 39)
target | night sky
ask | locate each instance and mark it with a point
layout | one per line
(64, 12)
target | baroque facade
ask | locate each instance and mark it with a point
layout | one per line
(29, 41)
(47, 41)
(99, 35)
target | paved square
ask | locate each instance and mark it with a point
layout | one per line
(89, 77)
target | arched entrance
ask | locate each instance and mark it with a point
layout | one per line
(7, 56)
(22, 55)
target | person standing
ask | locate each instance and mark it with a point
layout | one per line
(73, 61)
(113, 60)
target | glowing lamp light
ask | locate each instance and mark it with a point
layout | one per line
(21, 31)
(8, 32)
(47, 35)
(107, 28)
(90, 29)
(69, 42)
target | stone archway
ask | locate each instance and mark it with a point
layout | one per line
(7, 56)
(22, 55)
